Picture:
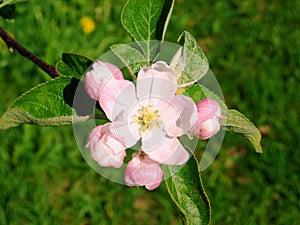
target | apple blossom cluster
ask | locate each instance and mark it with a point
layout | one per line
(149, 113)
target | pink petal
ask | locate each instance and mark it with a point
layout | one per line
(116, 96)
(177, 115)
(103, 155)
(207, 108)
(142, 171)
(106, 149)
(100, 73)
(209, 115)
(158, 80)
(152, 138)
(169, 114)
(209, 128)
(187, 111)
(113, 69)
(126, 131)
(169, 152)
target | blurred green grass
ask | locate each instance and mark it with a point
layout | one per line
(253, 49)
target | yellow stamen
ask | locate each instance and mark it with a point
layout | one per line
(146, 117)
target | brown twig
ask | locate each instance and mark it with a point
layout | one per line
(14, 45)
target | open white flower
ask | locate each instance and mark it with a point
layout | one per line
(149, 111)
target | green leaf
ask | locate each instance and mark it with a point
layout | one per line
(147, 20)
(189, 63)
(65, 70)
(238, 123)
(73, 64)
(186, 190)
(45, 104)
(130, 57)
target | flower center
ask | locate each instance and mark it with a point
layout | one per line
(146, 117)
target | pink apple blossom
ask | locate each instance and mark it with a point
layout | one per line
(209, 115)
(149, 111)
(142, 171)
(106, 149)
(99, 74)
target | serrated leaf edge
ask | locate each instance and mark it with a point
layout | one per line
(45, 122)
(255, 142)
(29, 119)
(201, 184)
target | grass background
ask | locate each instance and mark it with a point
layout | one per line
(253, 49)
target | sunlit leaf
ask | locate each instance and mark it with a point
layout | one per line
(45, 104)
(238, 123)
(189, 63)
(147, 20)
(186, 190)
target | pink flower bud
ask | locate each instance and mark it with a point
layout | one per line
(209, 115)
(142, 171)
(98, 75)
(106, 149)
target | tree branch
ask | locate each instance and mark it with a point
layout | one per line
(13, 44)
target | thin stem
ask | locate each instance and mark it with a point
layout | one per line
(14, 45)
